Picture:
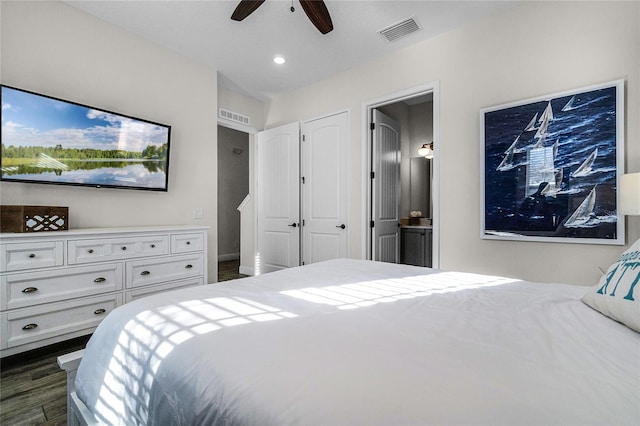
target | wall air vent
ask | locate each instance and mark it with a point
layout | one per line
(400, 29)
(234, 116)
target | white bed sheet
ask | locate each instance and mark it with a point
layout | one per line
(363, 343)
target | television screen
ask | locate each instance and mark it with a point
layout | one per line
(49, 140)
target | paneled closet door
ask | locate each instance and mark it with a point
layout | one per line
(325, 152)
(278, 198)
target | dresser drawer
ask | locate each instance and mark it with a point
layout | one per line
(20, 290)
(152, 271)
(161, 288)
(29, 325)
(20, 256)
(185, 243)
(96, 250)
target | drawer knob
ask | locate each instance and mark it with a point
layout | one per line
(189, 266)
(29, 290)
(32, 255)
(90, 250)
(124, 247)
(99, 280)
(153, 246)
(99, 311)
(145, 273)
(30, 326)
(188, 243)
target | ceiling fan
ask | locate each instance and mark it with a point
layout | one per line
(316, 11)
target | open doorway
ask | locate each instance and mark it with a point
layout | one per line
(403, 227)
(233, 187)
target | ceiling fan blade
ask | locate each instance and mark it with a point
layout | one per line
(245, 8)
(318, 14)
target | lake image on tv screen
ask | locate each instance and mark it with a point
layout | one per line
(52, 141)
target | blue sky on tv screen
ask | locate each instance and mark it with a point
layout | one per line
(33, 120)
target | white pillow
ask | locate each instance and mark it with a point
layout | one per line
(617, 295)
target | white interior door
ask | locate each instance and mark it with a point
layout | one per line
(386, 189)
(325, 188)
(278, 198)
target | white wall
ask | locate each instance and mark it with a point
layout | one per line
(533, 49)
(232, 100)
(51, 48)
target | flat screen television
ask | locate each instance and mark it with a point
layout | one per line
(54, 141)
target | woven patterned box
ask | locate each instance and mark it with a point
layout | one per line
(33, 218)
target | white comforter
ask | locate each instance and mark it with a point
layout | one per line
(363, 343)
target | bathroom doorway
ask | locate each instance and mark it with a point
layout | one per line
(413, 211)
(233, 187)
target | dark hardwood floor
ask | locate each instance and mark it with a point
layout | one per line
(33, 389)
(229, 270)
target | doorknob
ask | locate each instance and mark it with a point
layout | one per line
(341, 226)
(293, 224)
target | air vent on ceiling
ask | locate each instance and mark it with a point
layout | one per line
(400, 29)
(234, 116)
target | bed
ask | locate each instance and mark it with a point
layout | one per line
(354, 342)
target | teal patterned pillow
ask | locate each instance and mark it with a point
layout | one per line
(617, 295)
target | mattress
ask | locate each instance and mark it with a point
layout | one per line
(354, 342)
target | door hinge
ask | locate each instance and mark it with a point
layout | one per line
(302, 178)
(371, 224)
(373, 175)
(373, 126)
(303, 138)
(302, 222)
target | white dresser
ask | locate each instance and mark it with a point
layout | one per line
(59, 285)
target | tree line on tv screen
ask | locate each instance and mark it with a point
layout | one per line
(151, 152)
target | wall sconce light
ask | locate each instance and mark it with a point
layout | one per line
(426, 150)
(630, 194)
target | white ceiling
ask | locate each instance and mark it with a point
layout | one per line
(243, 52)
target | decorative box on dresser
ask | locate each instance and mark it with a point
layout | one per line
(59, 285)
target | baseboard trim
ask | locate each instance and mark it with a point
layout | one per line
(229, 256)
(246, 270)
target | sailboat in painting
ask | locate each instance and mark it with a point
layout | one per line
(542, 130)
(553, 190)
(584, 213)
(507, 161)
(569, 105)
(585, 167)
(532, 124)
(547, 115)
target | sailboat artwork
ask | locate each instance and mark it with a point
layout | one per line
(532, 124)
(507, 160)
(550, 167)
(584, 213)
(569, 105)
(586, 167)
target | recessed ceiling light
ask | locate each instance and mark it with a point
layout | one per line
(279, 60)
